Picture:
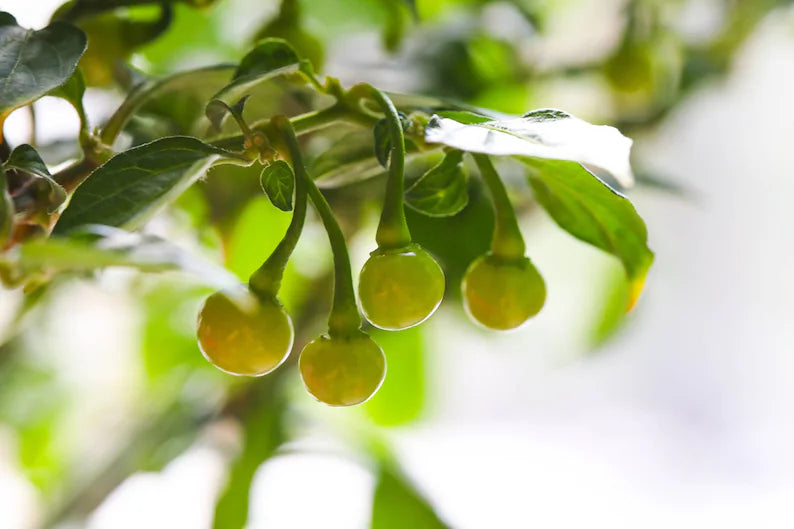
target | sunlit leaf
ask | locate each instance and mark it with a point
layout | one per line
(591, 211)
(98, 247)
(135, 184)
(278, 182)
(34, 62)
(401, 398)
(548, 133)
(270, 58)
(442, 191)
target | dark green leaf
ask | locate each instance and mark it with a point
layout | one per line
(34, 62)
(591, 211)
(398, 505)
(270, 58)
(278, 182)
(134, 184)
(546, 133)
(443, 190)
(25, 158)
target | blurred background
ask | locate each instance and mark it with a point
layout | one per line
(679, 414)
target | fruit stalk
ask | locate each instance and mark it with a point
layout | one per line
(507, 242)
(266, 280)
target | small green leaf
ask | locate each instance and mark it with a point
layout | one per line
(133, 185)
(34, 62)
(398, 505)
(25, 158)
(588, 209)
(464, 116)
(443, 190)
(278, 182)
(270, 58)
(216, 112)
(546, 133)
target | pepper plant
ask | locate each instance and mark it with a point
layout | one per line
(270, 122)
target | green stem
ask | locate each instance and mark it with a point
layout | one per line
(344, 319)
(393, 229)
(507, 242)
(266, 280)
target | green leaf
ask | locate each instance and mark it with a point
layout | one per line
(278, 182)
(217, 110)
(350, 159)
(25, 158)
(133, 185)
(443, 190)
(398, 505)
(270, 58)
(98, 247)
(34, 62)
(588, 209)
(547, 133)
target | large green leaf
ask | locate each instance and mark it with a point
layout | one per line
(398, 505)
(547, 133)
(34, 62)
(134, 184)
(591, 211)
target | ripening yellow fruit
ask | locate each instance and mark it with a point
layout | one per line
(400, 288)
(501, 295)
(342, 371)
(242, 336)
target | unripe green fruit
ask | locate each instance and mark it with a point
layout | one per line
(248, 337)
(400, 288)
(502, 295)
(342, 371)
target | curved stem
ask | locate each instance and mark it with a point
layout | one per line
(393, 229)
(266, 280)
(344, 319)
(507, 242)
